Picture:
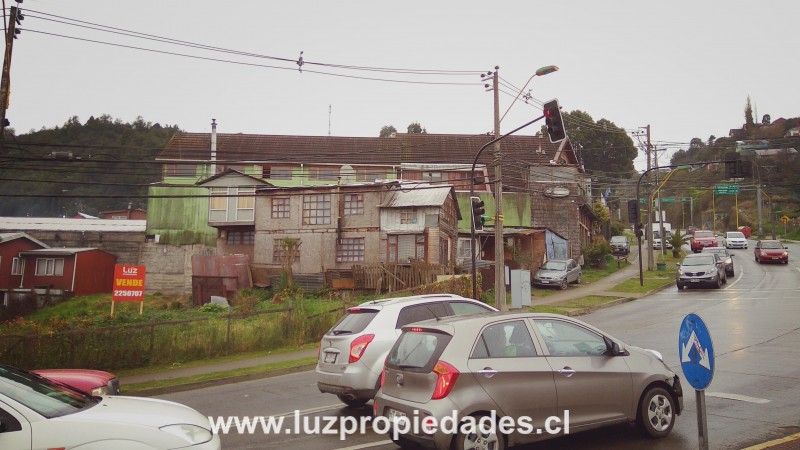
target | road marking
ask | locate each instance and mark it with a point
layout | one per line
(373, 444)
(737, 278)
(775, 442)
(741, 398)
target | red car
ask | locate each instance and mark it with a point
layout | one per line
(93, 382)
(702, 239)
(771, 251)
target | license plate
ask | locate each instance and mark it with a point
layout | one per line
(545, 281)
(776, 257)
(695, 280)
(395, 415)
(330, 357)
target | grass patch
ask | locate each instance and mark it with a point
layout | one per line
(651, 280)
(138, 387)
(567, 307)
(591, 275)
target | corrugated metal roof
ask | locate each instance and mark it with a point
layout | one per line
(57, 251)
(418, 195)
(5, 237)
(66, 224)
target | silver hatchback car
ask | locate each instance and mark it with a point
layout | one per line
(532, 376)
(352, 352)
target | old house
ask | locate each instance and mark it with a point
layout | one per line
(78, 271)
(12, 264)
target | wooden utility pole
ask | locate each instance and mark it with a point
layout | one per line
(499, 253)
(648, 232)
(5, 81)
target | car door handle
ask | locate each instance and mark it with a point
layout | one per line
(488, 372)
(568, 371)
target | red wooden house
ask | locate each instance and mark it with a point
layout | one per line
(80, 271)
(11, 263)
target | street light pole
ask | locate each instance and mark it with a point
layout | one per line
(472, 193)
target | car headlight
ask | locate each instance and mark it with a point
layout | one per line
(192, 434)
(713, 270)
(100, 391)
(728, 261)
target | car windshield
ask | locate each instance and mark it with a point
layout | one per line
(735, 234)
(699, 261)
(618, 239)
(553, 265)
(703, 234)
(771, 245)
(354, 321)
(42, 395)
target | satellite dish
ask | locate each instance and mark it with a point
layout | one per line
(556, 192)
(347, 174)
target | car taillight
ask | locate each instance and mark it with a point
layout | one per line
(358, 346)
(383, 377)
(446, 376)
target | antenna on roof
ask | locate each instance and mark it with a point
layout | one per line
(329, 120)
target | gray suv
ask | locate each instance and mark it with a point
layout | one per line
(352, 353)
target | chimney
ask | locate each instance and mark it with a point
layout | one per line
(213, 147)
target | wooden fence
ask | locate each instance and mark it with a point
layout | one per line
(396, 277)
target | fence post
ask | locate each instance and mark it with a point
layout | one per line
(152, 343)
(289, 316)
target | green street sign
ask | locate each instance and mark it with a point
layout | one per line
(668, 200)
(726, 189)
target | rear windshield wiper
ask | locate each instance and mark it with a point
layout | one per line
(338, 332)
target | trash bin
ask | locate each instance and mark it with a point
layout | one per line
(661, 266)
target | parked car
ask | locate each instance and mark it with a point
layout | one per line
(620, 245)
(657, 240)
(703, 238)
(93, 382)
(558, 273)
(771, 251)
(725, 255)
(38, 413)
(352, 352)
(735, 239)
(522, 365)
(705, 269)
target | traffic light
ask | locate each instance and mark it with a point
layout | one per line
(477, 213)
(638, 230)
(633, 211)
(554, 121)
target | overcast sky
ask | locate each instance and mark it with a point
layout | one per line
(683, 67)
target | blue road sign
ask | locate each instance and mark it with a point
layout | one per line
(696, 352)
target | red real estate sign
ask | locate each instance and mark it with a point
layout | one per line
(128, 283)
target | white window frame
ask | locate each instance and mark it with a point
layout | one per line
(49, 267)
(17, 266)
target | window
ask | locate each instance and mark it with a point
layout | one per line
(433, 177)
(180, 170)
(245, 204)
(370, 174)
(240, 238)
(420, 247)
(464, 248)
(317, 209)
(408, 215)
(17, 266)
(280, 207)
(391, 248)
(353, 204)
(505, 340)
(411, 314)
(466, 308)
(219, 203)
(323, 173)
(281, 250)
(350, 250)
(566, 339)
(276, 173)
(50, 266)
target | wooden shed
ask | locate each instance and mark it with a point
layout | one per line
(80, 271)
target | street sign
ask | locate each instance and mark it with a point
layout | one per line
(785, 219)
(723, 189)
(696, 352)
(668, 200)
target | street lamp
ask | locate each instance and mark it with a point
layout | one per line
(539, 72)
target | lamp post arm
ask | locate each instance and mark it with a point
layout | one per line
(472, 193)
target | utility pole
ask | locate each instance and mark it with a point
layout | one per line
(499, 254)
(648, 232)
(5, 80)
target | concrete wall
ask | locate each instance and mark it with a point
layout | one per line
(169, 267)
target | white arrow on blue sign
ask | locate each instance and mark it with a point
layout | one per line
(696, 351)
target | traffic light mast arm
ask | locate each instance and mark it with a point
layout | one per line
(472, 194)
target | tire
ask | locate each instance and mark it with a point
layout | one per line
(476, 440)
(578, 281)
(564, 284)
(680, 286)
(353, 403)
(731, 273)
(719, 282)
(656, 412)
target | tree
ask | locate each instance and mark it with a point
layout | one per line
(416, 128)
(604, 147)
(766, 120)
(387, 131)
(749, 123)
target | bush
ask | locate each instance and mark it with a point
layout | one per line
(597, 251)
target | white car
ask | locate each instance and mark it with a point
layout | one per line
(36, 413)
(735, 239)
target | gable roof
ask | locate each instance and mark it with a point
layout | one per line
(217, 180)
(6, 237)
(413, 148)
(417, 195)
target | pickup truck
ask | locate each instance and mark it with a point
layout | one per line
(701, 239)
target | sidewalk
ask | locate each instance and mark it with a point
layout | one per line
(601, 288)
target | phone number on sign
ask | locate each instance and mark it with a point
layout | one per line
(128, 293)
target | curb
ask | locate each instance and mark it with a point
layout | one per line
(219, 381)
